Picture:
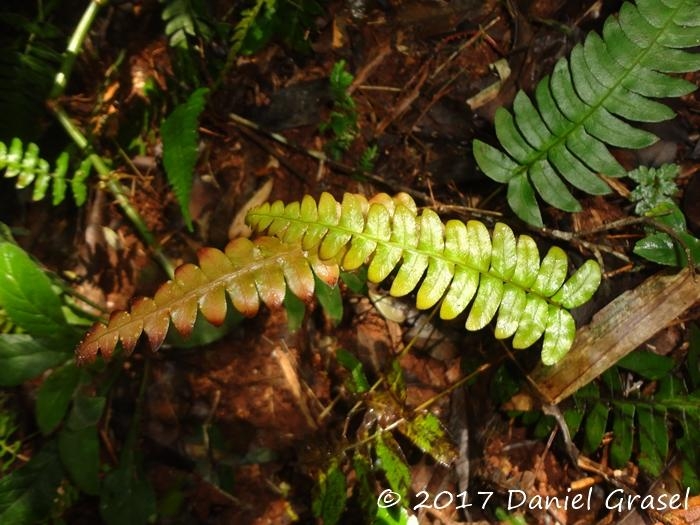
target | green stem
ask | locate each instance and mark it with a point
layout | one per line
(74, 46)
(115, 188)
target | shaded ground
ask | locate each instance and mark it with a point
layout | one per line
(237, 431)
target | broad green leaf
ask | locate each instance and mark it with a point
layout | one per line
(596, 422)
(28, 493)
(392, 462)
(28, 298)
(660, 247)
(78, 443)
(180, 148)
(330, 496)
(127, 497)
(623, 434)
(391, 515)
(647, 364)
(426, 432)
(22, 357)
(54, 396)
(653, 439)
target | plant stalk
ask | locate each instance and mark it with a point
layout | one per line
(74, 46)
(115, 188)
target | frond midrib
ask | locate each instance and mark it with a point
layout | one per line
(393, 244)
(543, 153)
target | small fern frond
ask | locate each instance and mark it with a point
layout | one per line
(184, 19)
(28, 168)
(456, 263)
(247, 27)
(590, 101)
(180, 148)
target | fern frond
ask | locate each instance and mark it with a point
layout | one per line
(184, 19)
(248, 24)
(590, 101)
(28, 65)
(180, 148)
(452, 262)
(28, 168)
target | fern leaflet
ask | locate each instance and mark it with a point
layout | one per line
(184, 19)
(28, 168)
(452, 262)
(581, 107)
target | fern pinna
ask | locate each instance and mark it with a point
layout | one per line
(579, 105)
(453, 262)
(26, 166)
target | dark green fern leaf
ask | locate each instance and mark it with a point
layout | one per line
(590, 101)
(27, 167)
(28, 64)
(185, 19)
(179, 133)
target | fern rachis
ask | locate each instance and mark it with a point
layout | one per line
(580, 107)
(453, 262)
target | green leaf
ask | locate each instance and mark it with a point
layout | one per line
(126, 498)
(180, 148)
(647, 364)
(78, 443)
(296, 311)
(27, 495)
(623, 434)
(358, 383)
(330, 496)
(28, 298)
(426, 432)
(330, 299)
(653, 439)
(392, 462)
(22, 357)
(54, 396)
(660, 247)
(590, 101)
(595, 427)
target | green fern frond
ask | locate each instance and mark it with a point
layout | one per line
(180, 136)
(184, 19)
(453, 262)
(28, 63)
(28, 168)
(247, 30)
(590, 101)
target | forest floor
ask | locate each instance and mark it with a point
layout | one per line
(239, 430)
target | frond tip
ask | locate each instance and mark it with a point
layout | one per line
(455, 263)
(593, 99)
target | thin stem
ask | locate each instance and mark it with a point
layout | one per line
(114, 187)
(74, 46)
